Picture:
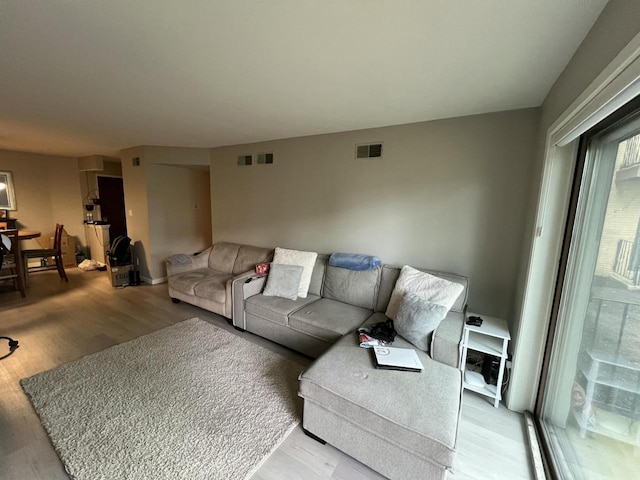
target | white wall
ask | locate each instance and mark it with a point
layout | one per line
(47, 191)
(187, 157)
(134, 179)
(179, 213)
(448, 195)
(160, 198)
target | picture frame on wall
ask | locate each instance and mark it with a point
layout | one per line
(3, 214)
(7, 192)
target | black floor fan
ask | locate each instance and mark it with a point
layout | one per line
(13, 345)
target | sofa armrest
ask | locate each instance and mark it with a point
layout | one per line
(228, 304)
(245, 286)
(446, 341)
(200, 260)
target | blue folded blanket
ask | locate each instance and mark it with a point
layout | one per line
(354, 261)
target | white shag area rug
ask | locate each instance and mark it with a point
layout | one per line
(190, 401)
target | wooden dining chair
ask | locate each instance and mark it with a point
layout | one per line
(47, 253)
(11, 265)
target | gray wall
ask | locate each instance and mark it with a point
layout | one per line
(618, 23)
(449, 195)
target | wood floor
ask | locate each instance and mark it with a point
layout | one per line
(58, 323)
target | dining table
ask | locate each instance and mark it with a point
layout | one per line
(28, 234)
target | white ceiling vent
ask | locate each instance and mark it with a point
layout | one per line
(369, 150)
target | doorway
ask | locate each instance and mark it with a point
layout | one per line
(589, 407)
(111, 192)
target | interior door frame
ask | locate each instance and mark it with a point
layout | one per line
(98, 190)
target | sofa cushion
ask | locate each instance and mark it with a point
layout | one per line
(416, 411)
(460, 304)
(445, 340)
(186, 282)
(307, 260)
(283, 281)
(248, 256)
(430, 287)
(390, 274)
(223, 256)
(317, 277)
(417, 319)
(328, 319)
(276, 309)
(350, 286)
(213, 287)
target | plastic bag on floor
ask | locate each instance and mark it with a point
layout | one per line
(88, 265)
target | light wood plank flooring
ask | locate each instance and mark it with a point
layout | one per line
(58, 323)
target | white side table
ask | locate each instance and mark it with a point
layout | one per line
(492, 338)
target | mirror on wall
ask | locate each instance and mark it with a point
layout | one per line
(7, 193)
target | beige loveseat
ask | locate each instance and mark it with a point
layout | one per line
(205, 279)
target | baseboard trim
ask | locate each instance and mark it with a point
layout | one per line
(153, 281)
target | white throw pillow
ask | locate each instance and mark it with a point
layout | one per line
(306, 260)
(429, 287)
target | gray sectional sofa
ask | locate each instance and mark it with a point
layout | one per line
(339, 301)
(402, 424)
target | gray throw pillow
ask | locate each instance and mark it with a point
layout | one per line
(283, 281)
(417, 318)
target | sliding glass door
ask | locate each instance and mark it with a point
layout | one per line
(589, 408)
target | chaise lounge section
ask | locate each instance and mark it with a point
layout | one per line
(402, 424)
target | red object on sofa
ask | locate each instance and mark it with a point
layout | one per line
(262, 268)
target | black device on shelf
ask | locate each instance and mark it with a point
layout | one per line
(490, 369)
(474, 321)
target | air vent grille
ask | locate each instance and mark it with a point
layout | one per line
(245, 160)
(369, 150)
(265, 158)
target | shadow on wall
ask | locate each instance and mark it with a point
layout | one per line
(139, 259)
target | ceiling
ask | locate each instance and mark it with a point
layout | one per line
(89, 77)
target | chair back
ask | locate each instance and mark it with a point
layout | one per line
(57, 238)
(11, 257)
(11, 261)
